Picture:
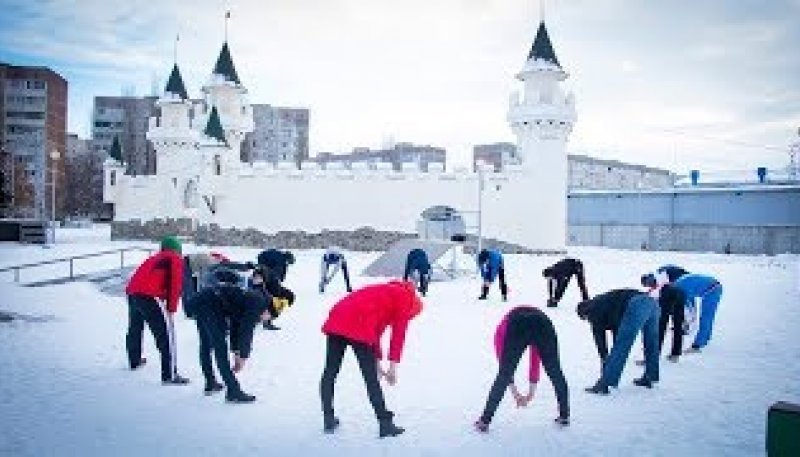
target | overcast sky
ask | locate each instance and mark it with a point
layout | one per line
(710, 84)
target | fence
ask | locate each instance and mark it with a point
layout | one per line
(71, 261)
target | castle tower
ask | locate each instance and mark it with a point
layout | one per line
(542, 119)
(225, 92)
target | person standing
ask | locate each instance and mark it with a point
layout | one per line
(418, 268)
(332, 261)
(491, 266)
(358, 321)
(558, 276)
(704, 292)
(153, 293)
(625, 312)
(525, 327)
(221, 309)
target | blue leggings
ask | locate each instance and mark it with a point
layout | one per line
(708, 309)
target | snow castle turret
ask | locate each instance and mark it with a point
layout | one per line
(542, 118)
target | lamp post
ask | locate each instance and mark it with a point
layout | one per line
(54, 156)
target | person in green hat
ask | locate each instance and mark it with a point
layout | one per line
(153, 294)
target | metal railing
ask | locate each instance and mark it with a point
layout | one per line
(71, 260)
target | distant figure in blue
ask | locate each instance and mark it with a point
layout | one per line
(490, 263)
(705, 292)
(419, 267)
(332, 261)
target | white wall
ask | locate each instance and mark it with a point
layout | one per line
(516, 208)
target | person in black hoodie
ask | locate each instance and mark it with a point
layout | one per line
(226, 308)
(558, 276)
(268, 280)
(625, 312)
(418, 267)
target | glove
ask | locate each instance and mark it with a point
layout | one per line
(280, 304)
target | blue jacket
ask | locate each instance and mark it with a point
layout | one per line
(418, 260)
(694, 285)
(491, 267)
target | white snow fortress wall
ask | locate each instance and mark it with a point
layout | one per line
(199, 174)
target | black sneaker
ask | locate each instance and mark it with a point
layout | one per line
(598, 389)
(551, 303)
(388, 427)
(176, 380)
(331, 423)
(563, 421)
(270, 326)
(213, 388)
(141, 363)
(239, 397)
(643, 382)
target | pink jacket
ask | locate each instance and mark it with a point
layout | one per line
(499, 340)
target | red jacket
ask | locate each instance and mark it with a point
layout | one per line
(160, 276)
(363, 315)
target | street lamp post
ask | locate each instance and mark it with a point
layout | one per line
(54, 156)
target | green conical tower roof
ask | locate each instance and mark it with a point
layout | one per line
(542, 47)
(116, 150)
(214, 126)
(175, 84)
(225, 66)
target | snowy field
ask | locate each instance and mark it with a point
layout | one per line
(65, 388)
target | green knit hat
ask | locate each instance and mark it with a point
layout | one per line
(171, 243)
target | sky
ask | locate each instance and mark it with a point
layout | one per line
(684, 84)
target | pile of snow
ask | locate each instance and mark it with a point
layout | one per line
(65, 388)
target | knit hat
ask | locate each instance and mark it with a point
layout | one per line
(649, 280)
(171, 243)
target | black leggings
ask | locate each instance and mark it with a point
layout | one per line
(526, 327)
(141, 310)
(212, 339)
(561, 286)
(369, 370)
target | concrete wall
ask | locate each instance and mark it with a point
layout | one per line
(756, 220)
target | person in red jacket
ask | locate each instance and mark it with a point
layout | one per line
(358, 320)
(153, 292)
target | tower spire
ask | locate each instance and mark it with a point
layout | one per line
(541, 10)
(175, 49)
(227, 18)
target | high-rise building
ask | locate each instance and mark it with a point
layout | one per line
(280, 135)
(127, 119)
(496, 154)
(77, 147)
(33, 122)
(399, 154)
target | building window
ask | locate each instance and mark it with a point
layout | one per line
(113, 178)
(217, 166)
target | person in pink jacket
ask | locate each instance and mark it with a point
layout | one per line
(358, 320)
(525, 327)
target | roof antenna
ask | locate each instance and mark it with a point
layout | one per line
(227, 17)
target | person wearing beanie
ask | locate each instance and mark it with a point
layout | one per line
(525, 327)
(332, 261)
(268, 278)
(490, 263)
(625, 312)
(358, 321)
(418, 269)
(221, 309)
(558, 276)
(153, 293)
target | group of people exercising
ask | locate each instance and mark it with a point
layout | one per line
(228, 305)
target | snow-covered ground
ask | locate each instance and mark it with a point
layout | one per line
(65, 388)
